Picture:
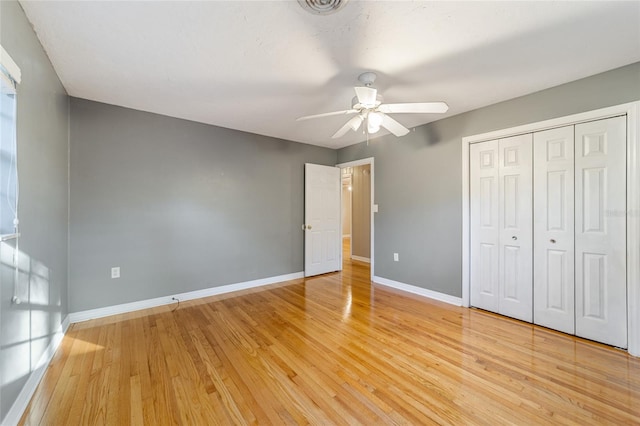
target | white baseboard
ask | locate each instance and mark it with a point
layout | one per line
(361, 259)
(419, 291)
(24, 397)
(166, 300)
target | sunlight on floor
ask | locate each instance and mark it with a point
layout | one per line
(82, 347)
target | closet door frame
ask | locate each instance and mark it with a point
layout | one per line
(632, 112)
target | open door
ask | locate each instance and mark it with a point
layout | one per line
(322, 236)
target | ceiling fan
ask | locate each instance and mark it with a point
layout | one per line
(368, 106)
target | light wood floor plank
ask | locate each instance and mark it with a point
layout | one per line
(333, 349)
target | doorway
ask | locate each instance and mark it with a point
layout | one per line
(357, 196)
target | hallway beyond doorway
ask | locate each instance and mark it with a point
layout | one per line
(347, 261)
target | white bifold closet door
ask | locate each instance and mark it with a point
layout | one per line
(485, 236)
(554, 284)
(580, 230)
(600, 231)
(501, 226)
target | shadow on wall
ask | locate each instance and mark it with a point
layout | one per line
(429, 134)
(28, 327)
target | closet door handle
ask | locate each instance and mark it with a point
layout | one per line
(552, 241)
(514, 238)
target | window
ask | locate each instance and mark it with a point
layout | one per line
(8, 164)
(9, 77)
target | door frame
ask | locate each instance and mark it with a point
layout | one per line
(372, 209)
(632, 111)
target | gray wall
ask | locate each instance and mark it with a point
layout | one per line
(42, 120)
(178, 206)
(418, 180)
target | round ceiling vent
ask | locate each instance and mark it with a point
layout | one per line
(322, 7)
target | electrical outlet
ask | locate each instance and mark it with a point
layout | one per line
(396, 258)
(115, 272)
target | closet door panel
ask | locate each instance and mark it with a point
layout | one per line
(515, 220)
(484, 225)
(553, 287)
(600, 228)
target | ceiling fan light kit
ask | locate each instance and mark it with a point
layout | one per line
(374, 121)
(368, 105)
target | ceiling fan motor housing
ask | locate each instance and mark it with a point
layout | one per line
(355, 103)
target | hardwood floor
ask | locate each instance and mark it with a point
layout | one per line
(332, 349)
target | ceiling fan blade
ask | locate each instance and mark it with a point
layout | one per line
(366, 96)
(355, 122)
(352, 124)
(393, 126)
(328, 114)
(341, 132)
(418, 107)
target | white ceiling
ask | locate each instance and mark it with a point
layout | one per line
(258, 65)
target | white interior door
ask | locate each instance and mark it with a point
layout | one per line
(322, 238)
(600, 227)
(515, 218)
(554, 229)
(484, 183)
